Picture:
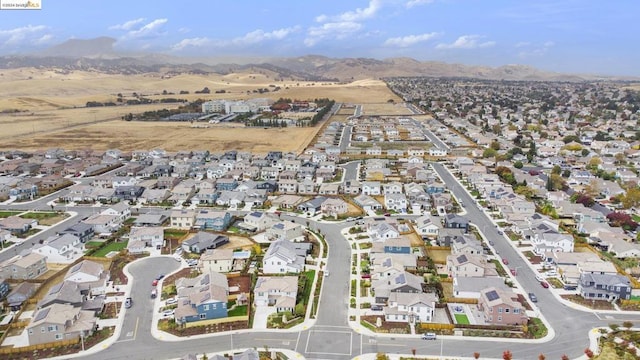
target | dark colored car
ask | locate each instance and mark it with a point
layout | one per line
(160, 277)
(128, 302)
(544, 284)
(533, 297)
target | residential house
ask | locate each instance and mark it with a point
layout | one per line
(604, 287)
(259, 221)
(90, 276)
(453, 221)
(183, 219)
(277, 291)
(468, 265)
(312, 206)
(128, 193)
(403, 282)
(151, 236)
(427, 226)
(17, 225)
(372, 188)
(396, 202)
(60, 322)
(501, 307)
(202, 298)
(382, 230)
(397, 245)
(29, 266)
(103, 224)
(150, 219)
(20, 293)
(334, 207)
(65, 248)
(4, 288)
(122, 210)
(202, 241)
(410, 307)
(471, 287)
(367, 203)
(216, 260)
(83, 231)
(285, 230)
(284, 257)
(212, 220)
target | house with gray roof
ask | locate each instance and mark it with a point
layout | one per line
(64, 249)
(404, 282)
(284, 256)
(604, 287)
(202, 241)
(60, 322)
(29, 266)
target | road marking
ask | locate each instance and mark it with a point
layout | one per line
(382, 344)
(271, 339)
(130, 334)
(297, 340)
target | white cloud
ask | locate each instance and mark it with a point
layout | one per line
(44, 39)
(467, 42)
(127, 25)
(534, 50)
(260, 35)
(192, 42)
(409, 40)
(522, 44)
(358, 14)
(333, 30)
(21, 35)
(412, 3)
(150, 29)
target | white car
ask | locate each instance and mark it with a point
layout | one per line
(168, 313)
(539, 277)
(171, 301)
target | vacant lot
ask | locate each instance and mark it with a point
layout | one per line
(51, 113)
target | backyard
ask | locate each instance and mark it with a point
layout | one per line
(461, 319)
(114, 246)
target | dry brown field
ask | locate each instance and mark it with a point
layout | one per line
(51, 112)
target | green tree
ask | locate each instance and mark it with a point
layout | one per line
(495, 145)
(518, 164)
(299, 309)
(382, 356)
(489, 153)
(556, 169)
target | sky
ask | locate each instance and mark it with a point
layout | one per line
(570, 36)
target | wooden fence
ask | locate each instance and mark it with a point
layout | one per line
(31, 348)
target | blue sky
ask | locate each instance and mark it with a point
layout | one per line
(575, 36)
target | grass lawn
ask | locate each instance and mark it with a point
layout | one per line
(39, 215)
(238, 311)
(6, 214)
(636, 218)
(537, 328)
(461, 319)
(310, 275)
(114, 246)
(174, 233)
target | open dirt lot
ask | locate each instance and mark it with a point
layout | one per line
(49, 110)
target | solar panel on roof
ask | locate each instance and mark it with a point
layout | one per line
(42, 314)
(76, 267)
(56, 288)
(400, 279)
(462, 258)
(492, 295)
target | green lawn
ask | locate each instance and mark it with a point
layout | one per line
(114, 246)
(238, 311)
(6, 214)
(39, 215)
(461, 319)
(310, 275)
(636, 218)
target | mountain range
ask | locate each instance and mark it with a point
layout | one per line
(98, 54)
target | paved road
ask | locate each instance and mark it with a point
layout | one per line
(351, 170)
(345, 138)
(435, 140)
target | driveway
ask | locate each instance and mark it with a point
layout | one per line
(260, 316)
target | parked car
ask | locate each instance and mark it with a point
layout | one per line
(192, 262)
(160, 277)
(154, 282)
(505, 261)
(513, 272)
(539, 277)
(376, 307)
(544, 284)
(128, 302)
(533, 297)
(429, 336)
(171, 301)
(571, 287)
(387, 214)
(326, 273)
(167, 313)
(154, 293)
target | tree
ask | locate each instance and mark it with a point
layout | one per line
(627, 324)
(299, 309)
(564, 357)
(556, 170)
(507, 355)
(382, 356)
(489, 153)
(541, 357)
(589, 353)
(476, 355)
(585, 200)
(495, 145)
(631, 198)
(518, 164)
(614, 327)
